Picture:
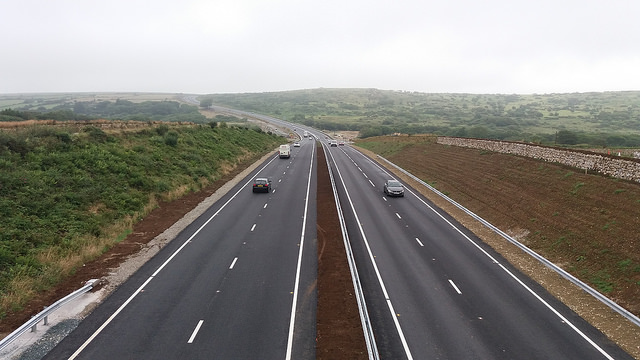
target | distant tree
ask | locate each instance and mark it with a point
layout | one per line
(479, 132)
(566, 137)
(206, 103)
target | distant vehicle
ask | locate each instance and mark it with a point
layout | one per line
(285, 151)
(333, 143)
(306, 134)
(262, 185)
(393, 187)
(341, 143)
(296, 144)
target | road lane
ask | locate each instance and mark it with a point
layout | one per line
(229, 292)
(452, 296)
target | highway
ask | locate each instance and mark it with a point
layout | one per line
(238, 283)
(435, 291)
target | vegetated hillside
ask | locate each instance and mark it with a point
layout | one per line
(609, 119)
(67, 194)
(81, 108)
(586, 223)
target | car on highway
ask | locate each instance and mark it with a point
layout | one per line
(262, 185)
(285, 151)
(393, 187)
(341, 143)
(296, 144)
(333, 143)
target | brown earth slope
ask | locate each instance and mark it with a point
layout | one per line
(586, 223)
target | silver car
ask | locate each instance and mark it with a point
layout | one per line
(393, 187)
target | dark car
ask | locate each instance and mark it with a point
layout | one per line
(261, 185)
(393, 187)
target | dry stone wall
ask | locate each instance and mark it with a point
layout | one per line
(628, 169)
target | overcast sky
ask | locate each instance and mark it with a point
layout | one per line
(235, 46)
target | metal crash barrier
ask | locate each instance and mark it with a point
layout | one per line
(44, 314)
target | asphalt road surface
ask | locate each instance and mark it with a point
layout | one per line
(238, 283)
(434, 291)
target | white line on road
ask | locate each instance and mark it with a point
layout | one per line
(195, 332)
(398, 215)
(372, 184)
(253, 227)
(296, 285)
(233, 263)
(265, 206)
(455, 287)
(419, 242)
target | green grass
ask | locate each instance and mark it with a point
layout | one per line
(602, 281)
(576, 187)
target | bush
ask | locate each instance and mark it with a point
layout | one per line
(171, 138)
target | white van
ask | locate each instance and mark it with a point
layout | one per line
(285, 151)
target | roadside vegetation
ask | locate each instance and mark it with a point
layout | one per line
(168, 111)
(606, 119)
(70, 192)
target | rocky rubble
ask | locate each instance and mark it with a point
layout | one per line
(622, 168)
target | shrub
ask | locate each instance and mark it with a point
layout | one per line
(171, 138)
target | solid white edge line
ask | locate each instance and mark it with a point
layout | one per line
(233, 263)
(299, 265)
(97, 332)
(455, 287)
(93, 336)
(195, 332)
(372, 348)
(394, 316)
